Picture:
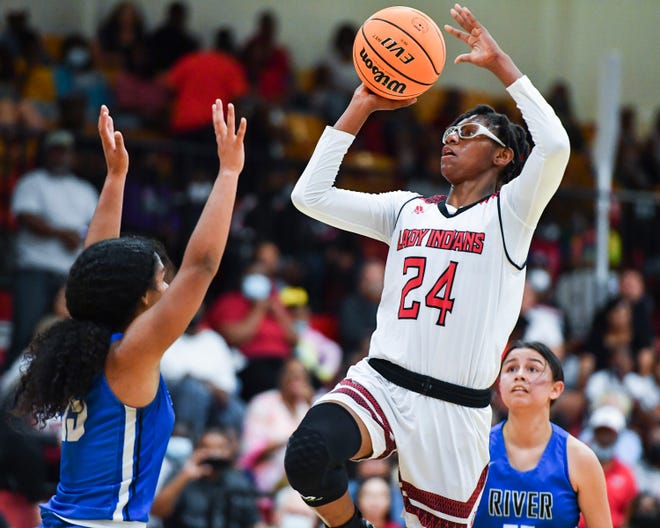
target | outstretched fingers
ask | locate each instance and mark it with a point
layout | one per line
(228, 137)
(106, 129)
(219, 124)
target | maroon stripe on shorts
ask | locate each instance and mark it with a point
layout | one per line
(441, 504)
(361, 396)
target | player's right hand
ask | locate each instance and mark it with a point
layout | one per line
(116, 155)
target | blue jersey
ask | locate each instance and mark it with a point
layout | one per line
(111, 456)
(541, 497)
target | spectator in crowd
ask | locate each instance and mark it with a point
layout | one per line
(142, 101)
(560, 98)
(29, 465)
(200, 371)
(208, 490)
(645, 511)
(267, 61)
(58, 312)
(374, 499)
(384, 469)
(607, 385)
(607, 423)
(254, 320)
(543, 322)
(196, 80)
(267, 253)
(320, 355)
(19, 35)
(357, 313)
(613, 328)
(271, 418)
(647, 469)
(629, 171)
(172, 39)
(290, 511)
(52, 207)
(122, 29)
(651, 150)
(335, 78)
(16, 111)
(632, 288)
(80, 87)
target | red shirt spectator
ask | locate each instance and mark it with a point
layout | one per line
(621, 490)
(270, 338)
(268, 63)
(198, 79)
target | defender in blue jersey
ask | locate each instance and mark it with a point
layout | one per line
(539, 475)
(100, 369)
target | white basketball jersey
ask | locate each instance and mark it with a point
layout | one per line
(451, 296)
(453, 282)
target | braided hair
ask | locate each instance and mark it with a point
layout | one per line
(512, 135)
(103, 292)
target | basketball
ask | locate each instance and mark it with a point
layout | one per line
(399, 52)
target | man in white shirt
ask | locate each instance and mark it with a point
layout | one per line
(52, 207)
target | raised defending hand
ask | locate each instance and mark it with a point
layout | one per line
(485, 52)
(230, 141)
(116, 155)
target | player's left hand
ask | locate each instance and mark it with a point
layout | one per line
(229, 138)
(116, 155)
(484, 48)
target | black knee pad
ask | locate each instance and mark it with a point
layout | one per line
(317, 451)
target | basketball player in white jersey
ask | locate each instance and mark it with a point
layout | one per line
(452, 293)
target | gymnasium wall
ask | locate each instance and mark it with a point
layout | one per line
(549, 39)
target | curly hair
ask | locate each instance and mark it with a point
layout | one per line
(512, 135)
(103, 291)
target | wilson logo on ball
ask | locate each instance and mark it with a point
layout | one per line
(381, 77)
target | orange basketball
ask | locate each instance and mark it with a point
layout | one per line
(399, 52)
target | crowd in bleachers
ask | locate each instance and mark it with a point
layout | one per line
(294, 303)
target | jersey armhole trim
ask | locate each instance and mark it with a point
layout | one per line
(396, 221)
(519, 267)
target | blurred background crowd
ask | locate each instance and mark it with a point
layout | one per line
(295, 301)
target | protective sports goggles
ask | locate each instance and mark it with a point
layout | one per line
(469, 131)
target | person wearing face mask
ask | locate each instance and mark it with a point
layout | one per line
(254, 320)
(52, 207)
(539, 474)
(607, 422)
(207, 490)
(80, 87)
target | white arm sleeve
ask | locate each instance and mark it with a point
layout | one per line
(525, 197)
(372, 215)
(528, 194)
